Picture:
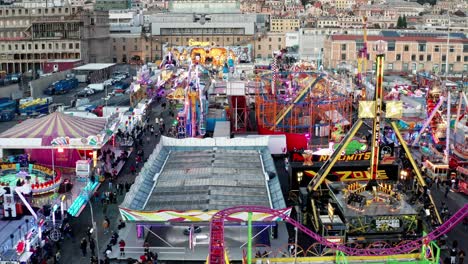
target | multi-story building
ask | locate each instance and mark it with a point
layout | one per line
(128, 40)
(284, 24)
(406, 51)
(32, 36)
(271, 42)
(344, 4)
(107, 5)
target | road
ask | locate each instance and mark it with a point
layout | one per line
(95, 99)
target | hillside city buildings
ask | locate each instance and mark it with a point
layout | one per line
(327, 31)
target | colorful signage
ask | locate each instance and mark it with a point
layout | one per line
(353, 175)
(194, 216)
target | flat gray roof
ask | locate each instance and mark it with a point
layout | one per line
(94, 66)
(210, 180)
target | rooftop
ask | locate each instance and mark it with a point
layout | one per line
(206, 174)
(94, 66)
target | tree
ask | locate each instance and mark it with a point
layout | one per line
(403, 22)
(399, 22)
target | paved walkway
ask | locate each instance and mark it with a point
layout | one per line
(70, 250)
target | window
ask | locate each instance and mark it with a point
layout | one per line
(43, 46)
(64, 46)
(421, 66)
(177, 39)
(227, 39)
(405, 66)
(398, 57)
(465, 67)
(444, 58)
(406, 48)
(269, 47)
(113, 40)
(390, 66)
(343, 47)
(238, 39)
(465, 58)
(123, 47)
(123, 39)
(29, 46)
(77, 45)
(269, 39)
(113, 47)
(458, 58)
(436, 48)
(50, 46)
(422, 47)
(421, 57)
(259, 47)
(70, 45)
(343, 56)
(279, 39)
(147, 47)
(452, 49)
(429, 57)
(391, 46)
(413, 57)
(135, 47)
(465, 47)
(135, 40)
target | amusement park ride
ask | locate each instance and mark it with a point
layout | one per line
(360, 198)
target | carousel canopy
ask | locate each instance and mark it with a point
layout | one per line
(41, 132)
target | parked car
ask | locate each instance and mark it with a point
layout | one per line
(109, 82)
(121, 85)
(85, 92)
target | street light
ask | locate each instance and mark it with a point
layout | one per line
(94, 229)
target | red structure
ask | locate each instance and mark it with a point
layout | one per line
(61, 65)
(239, 113)
(217, 246)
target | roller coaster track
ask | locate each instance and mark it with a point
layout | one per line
(218, 249)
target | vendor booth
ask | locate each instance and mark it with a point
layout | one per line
(69, 135)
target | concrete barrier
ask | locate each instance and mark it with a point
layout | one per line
(40, 85)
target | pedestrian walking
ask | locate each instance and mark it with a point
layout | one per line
(132, 169)
(122, 247)
(447, 190)
(161, 121)
(92, 247)
(110, 184)
(106, 225)
(83, 246)
(89, 232)
(453, 256)
(156, 121)
(152, 130)
(121, 187)
(437, 182)
(461, 256)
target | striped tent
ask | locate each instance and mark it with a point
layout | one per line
(54, 126)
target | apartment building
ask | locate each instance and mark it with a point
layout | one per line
(106, 5)
(271, 42)
(284, 24)
(408, 51)
(32, 36)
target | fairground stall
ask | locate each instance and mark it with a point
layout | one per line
(59, 141)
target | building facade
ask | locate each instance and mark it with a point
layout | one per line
(106, 5)
(408, 53)
(284, 24)
(32, 36)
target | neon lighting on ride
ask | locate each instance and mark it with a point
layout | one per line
(218, 249)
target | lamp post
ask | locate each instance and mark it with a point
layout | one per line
(94, 230)
(53, 170)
